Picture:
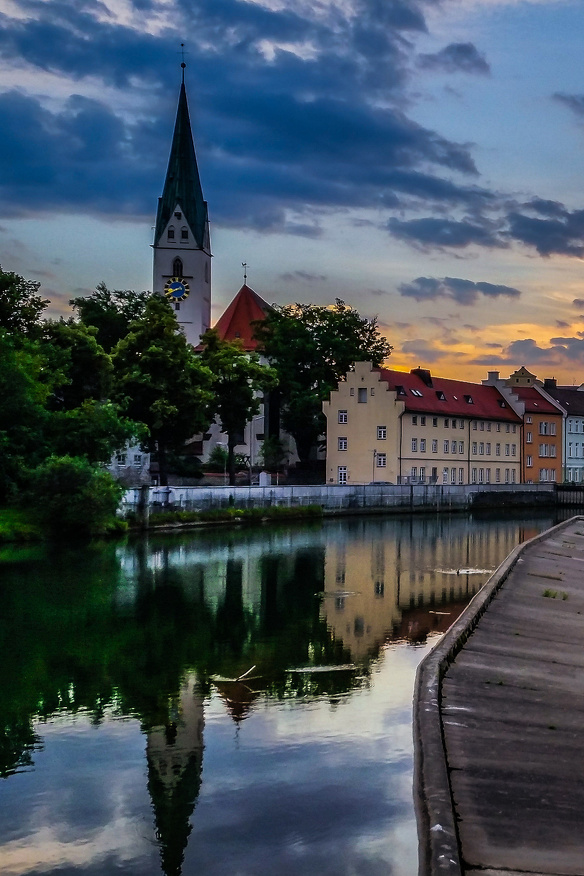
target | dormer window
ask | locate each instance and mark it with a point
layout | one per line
(400, 390)
(171, 232)
(178, 215)
(184, 233)
(440, 395)
(468, 399)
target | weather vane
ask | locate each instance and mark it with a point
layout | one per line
(244, 266)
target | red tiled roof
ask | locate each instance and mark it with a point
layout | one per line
(455, 398)
(534, 401)
(235, 322)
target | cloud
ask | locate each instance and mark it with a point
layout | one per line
(575, 102)
(578, 302)
(463, 291)
(456, 58)
(561, 234)
(304, 276)
(432, 233)
(425, 350)
(562, 324)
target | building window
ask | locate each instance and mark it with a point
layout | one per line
(497, 475)
(513, 476)
(414, 421)
(460, 475)
(498, 427)
(184, 233)
(422, 472)
(343, 444)
(414, 445)
(362, 395)
(528, 420)
(461, 446)
(422, 445)
(372, 391)
(474, 425)
(497, 450)
(447, 423)
(481, 475)
(177, 305)
(452, 475)
(506, 475)
(137, 459)
(473, 476)
(474, 448)
(381, 433)
(488, 427)
(482, 448)
(528, 437)
(121, 458)
(446, 446)
(513, 450)
(488, 448)
(506, 450)
(344, 417)
(342, 474)
(444, 475)
(434, 446)
(422, 421)
(488, 475)
(453, 447)
(529, 461)
(177, 268)
(434, 421)
(170, 233)
(414, 471)
(381, 460)
(482, 426)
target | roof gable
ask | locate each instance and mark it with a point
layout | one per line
(235, 323)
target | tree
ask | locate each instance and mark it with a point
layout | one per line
(21, 307)
(312, 347)
(160, 381)
(78, 368)
(110, 312)
(238, 379)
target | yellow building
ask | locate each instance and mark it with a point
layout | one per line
(411, 427)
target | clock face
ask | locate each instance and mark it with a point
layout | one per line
(176, 289)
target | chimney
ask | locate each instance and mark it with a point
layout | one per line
(492, 377)
(550, 383)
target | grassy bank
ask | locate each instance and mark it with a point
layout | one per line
(227, 515)
(18, 525)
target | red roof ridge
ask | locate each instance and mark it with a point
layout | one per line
(235, 323)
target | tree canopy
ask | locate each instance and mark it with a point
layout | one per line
(311, 348)
(238, 379)
(161, 382)
(110, 312)
(21, 307)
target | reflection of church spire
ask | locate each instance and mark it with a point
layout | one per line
(175, 760)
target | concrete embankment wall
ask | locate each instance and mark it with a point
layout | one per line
(439, 846)
(342, 499)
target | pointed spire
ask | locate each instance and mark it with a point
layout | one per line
(182, 186)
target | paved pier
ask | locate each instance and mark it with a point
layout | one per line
(499, 722)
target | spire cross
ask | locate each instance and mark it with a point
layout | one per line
(244, 266)
(183, 65)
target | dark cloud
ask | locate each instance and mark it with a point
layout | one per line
(280, 136)
(455, 58)
(575, 102)
(563, 234)
(305, 276)
(561, 324)
(432, 233)
(462, 291)
(378, 292)
(425, 350)
(578, 302)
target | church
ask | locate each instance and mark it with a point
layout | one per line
(182, 273)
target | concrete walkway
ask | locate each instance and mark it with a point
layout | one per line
(499, 722)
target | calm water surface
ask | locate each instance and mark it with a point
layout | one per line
(127, 744)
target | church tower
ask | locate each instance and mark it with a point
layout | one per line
(182, 246)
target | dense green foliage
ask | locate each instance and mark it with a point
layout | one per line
(161, 382)
(72, 496)
(110, 312)
(238, 378)
(312, 347)
(21, 307)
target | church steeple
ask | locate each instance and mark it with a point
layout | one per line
(182, 184)
(182, 248)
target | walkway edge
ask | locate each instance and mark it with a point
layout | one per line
(437, 831)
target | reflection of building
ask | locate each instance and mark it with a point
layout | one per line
(379, 572)
(174, 752)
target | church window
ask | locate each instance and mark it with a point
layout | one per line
(171, 232)
(177, 268)
(184, 233)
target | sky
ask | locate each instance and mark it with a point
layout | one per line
(422, 160)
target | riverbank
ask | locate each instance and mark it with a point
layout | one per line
(497, 715)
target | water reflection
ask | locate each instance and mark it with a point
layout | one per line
(129, 674)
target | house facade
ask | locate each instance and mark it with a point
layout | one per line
(571, 398)
(412, 427)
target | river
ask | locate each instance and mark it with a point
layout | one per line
(130, 743)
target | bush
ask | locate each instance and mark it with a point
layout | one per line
(73, 497)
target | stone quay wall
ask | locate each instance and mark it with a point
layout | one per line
(341, 499)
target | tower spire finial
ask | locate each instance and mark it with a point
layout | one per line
(244, 266)
(183, 64)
